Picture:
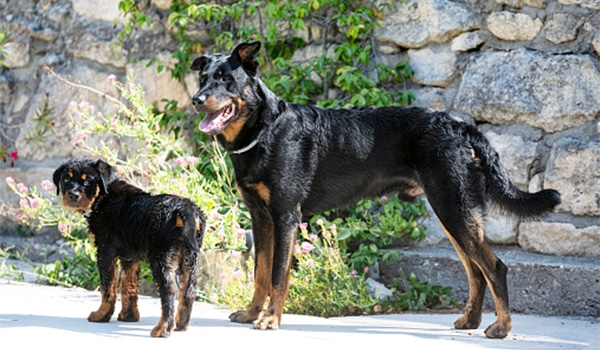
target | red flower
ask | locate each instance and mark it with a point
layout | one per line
(14, 155)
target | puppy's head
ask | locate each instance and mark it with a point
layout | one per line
(227, 89)
(81, 180)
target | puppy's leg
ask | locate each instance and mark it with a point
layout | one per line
(262, 231)
(129, 291)
(108, 288)
(286, 225)
(187, 266)
(163, 274)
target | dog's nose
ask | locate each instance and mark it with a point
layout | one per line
(198, 100)
(74, 196)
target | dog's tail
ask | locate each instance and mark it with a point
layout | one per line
(193, 228)
(502, 191)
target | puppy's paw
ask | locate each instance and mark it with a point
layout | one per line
(162, 330)
(267, 322)
(243, 316)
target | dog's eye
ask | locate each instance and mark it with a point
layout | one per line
(203, 78)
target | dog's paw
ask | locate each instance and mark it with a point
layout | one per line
(267, 322)
(467, 322)
(242, 316)
(497, 330)
(129, 315)
(161, 330)
(99, 316)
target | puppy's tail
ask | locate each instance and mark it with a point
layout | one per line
(193, 228)
(502, 191)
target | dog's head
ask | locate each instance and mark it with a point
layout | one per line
(228, 89)
(81, 180)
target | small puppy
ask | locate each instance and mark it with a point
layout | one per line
(132, 225)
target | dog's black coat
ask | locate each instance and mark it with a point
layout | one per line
(132, 225)
(294, 160)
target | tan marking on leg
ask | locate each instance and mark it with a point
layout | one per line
(263, 191)
(471, 318)
(129, 294)
(178, 221)
(109, 298)
(262, 279)
(197, 220)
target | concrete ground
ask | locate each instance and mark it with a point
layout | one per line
(33, 315)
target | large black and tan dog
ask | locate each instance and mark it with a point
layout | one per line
(132, 225)
(295, 160)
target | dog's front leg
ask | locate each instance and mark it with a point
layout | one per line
(129, 291)
(108, 288)
(262, 232)
(285, 226)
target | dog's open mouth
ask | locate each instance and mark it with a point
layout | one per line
(214, 123)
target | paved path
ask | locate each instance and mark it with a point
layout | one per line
(55, 318)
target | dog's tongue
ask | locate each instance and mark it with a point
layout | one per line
(214, 123)
(211, 123)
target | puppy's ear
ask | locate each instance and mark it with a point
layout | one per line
(56, 177)
(245, 54)
(107, 174)
(199, 63)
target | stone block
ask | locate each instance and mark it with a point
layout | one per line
(560, 239)
(507, 25)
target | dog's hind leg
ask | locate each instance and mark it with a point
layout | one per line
(129, 291)
(455, 188)
(163, 274)
(262, 232)
(108, 289)
(187, 283)
(473, 309)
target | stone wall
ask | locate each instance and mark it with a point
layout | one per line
(525, 71)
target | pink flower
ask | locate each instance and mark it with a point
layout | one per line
(10, 181)
(35, 203)
(314, 238)
(214, 214)
(20, 217)
(320, 222)
(63, 228)
(112, 78)
(113, 123)
(236, 254)
(84, 105)
(24, 203)
(223, 276)
(79, 137)
(251, 277)
(22, 188)
(214, 299)
(47, 185)
(220, 234)
(303, 225)
(307, 247)
(238, 274)
(310, 263)
(354, 273)
(72, 105)
(14, 155)
(366, 269)
(241, 233)
(384, 199)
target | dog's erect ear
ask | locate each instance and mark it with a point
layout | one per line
(56, 177)
(199, 63)
(245, 54)
(106, 174)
